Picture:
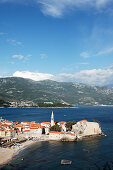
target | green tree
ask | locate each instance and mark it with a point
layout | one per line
(56, 128)
(69, 125)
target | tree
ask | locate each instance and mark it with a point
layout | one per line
(69, 125)
(56, 128)
(4, 103)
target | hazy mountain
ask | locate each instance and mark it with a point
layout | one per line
(20, 89)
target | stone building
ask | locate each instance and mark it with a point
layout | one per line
(85, 128)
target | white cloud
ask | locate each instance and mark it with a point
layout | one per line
(84, 63)
(43, 56)
(12, 62)
(102, 52)
(93, 77)
(57, 8)
(14, 42)
(18, 56)
(27, 57)
(21, 57)
(107, 51)
(84, 55)
(32, 75)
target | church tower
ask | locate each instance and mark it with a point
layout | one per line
(52, 119)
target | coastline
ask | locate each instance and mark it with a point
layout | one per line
(76, 107)
(42, 107)
(7, 154)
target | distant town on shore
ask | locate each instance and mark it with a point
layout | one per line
(31, 104)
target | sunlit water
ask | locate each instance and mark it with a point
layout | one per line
(91, 153)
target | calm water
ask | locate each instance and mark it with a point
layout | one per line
(93, 153)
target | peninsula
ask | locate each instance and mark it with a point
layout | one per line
(14, 135)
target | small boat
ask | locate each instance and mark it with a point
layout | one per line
(66, 162)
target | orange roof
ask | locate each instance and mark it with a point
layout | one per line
(34, 125)
(18, 131)
(57, 132)
(54, 132)
(61, 122)
(11, 130)
(4, 125)
(83, 121)
(15, 123)
(26, 130)
(46, 122)
(25, 122)
(8, 121)
(27, 127)
(2, 130)
(42, 126)
(70, 134)
(19, 125)
(33, 122)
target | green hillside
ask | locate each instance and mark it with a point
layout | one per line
(19, 89)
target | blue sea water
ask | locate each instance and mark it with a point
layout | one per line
(91, 153)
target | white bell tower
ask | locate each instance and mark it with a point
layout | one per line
(52, 119)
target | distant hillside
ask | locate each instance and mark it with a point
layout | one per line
(4, 104)
(20, 89)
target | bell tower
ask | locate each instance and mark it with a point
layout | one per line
(52, 119)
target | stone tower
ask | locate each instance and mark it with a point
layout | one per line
(52, 120)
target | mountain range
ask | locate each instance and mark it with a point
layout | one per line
(20, 89)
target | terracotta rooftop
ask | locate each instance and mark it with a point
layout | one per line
(57, 132)
(62, 122)
(46, 122)
(26, 130)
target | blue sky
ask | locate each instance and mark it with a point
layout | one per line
(63, 40)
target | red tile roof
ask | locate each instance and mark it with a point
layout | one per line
(83, 121)
(11, 130)
(26, 130)
(46, 122)
(57, 132)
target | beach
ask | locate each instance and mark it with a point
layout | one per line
(7, 154)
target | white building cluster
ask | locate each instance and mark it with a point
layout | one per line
(10, 130)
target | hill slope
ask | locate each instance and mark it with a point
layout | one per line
(19, 89)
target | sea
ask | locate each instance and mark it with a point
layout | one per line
(94, 153)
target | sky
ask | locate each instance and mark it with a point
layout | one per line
(61, 40)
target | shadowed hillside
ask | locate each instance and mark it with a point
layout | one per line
(20, 89)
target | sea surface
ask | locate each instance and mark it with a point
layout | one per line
(91, 153)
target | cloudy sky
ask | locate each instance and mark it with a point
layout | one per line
(63, 40)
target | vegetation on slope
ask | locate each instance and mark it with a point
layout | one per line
(19, 89)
